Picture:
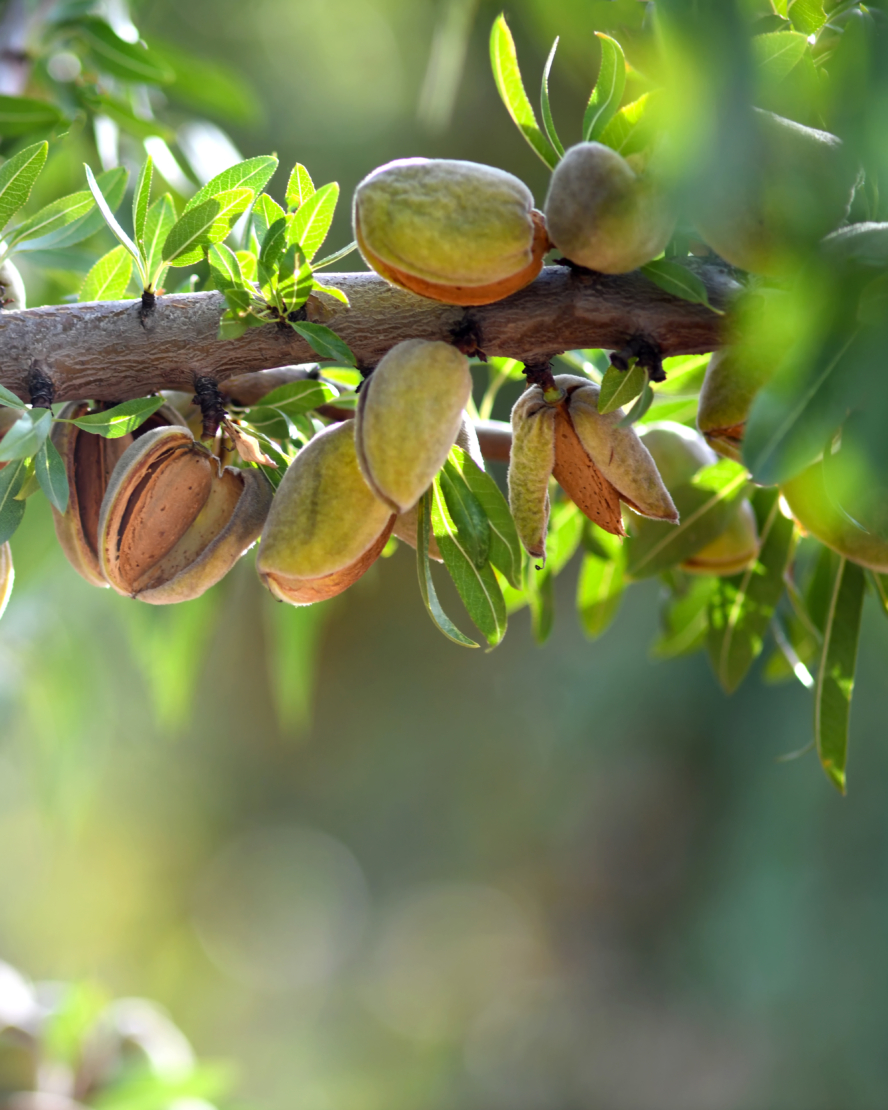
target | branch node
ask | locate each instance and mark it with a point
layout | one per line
(212, 407)
(40, 386)
(467, 337)
(644, 352)
(540, 373)
(147, 307)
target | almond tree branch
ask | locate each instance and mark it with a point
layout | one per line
(106, 351)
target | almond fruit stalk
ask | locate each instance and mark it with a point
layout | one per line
(173, 522)
(326, 525)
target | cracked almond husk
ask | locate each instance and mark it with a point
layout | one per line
(173, 521)
(89, 462)
(458, 232)
(409, 416)
(326, 526)
(7, 575)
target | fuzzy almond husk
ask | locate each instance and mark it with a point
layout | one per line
(409, 415)
(617, 452)
(173, 522)
(732, 380)
(581, 479)
(7, 575)
(531, 463)
(326, 526)
(457, 232)
(89, 462)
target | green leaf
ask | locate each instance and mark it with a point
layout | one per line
(545, 108)
(311, 223)
(835, 679)
(506, 73)
(198, 228)
(505, 547)
(634, 127)
(807, 15)
(50, 470)
(325, 342)
(25, 436)
(20, 115)
(330, 290)
(467, 515)
(112, 184)
(265, 213)
(142, 199)
(541, 601)
(741, 607)
(253, 174)
(679, 281)
(599, 592)
(50, 219)
(685, 618)
(566, 525)
(159, 223)
(9, 399)
(778, 53)
(424, 570)
(300, 396)
(118, 231)
(644, 402)
(109, 278)
(17, 176)
(131, 124)
(299, 188)
(274, 243)
(127, 60)
(705, 506)
(11, 510)
(225, 267)
(477, 586)
(608, 91)
(619, 387)
(124, 418)
(207, 85)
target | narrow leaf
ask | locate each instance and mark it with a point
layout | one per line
(253, 174)
(679, 281)
(478, 587)
(50, 470)
(467, 514)
(644, 402)
(506, 73)
(325, 342)
(17, 176)
(141, 199)
(299, 188)
(608, 91)
(127, 60)
(109, 277)
(835, 679)
(545, 107)
(25, 436)
(20, 115)
(117, 422)
(505, 547)
(633, 128)
(159, 223)
(225, 267)
(599, 592)
(619, 387)
(11, 510)
(265, 212)
(741, 607)
(424, 570)
(9, 399)
(198, 228)
(311, 223)
(685, 618)
(50, 219)
(110, 220)
(300, 396)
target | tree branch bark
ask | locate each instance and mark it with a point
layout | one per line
(104, 351)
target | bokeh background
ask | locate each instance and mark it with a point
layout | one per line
(377, 871)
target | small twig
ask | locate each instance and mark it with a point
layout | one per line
(40, 387)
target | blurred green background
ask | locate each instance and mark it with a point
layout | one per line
(410, 875)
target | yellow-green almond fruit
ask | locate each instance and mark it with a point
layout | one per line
(603, 215)
(458, 232)
(89, 462)
(731, 552)
(173, 521)
(530, 467)
(409, 415)
(618, 452)
(326, 526)
(7, 575)
(12, 288)
(811, 505)
(729, 387)
(799, 189)
(678, 451)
